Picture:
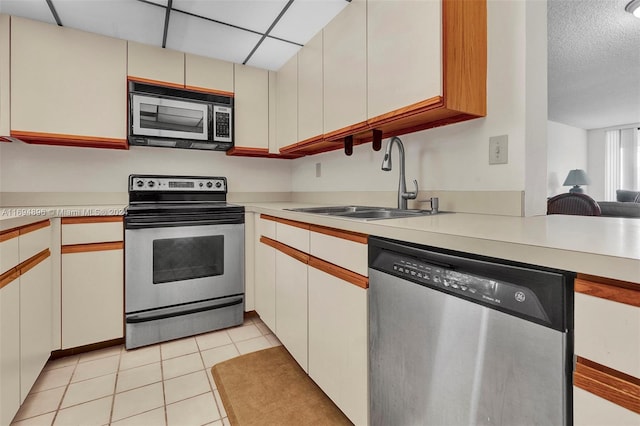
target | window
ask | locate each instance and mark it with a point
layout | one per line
(622, 162)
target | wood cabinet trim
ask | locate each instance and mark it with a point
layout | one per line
(289, 222)
(90, 219)
(464, 55)
(34, 226)
(289, 251)
(8, 277)
(612, 385)
(41, 138)
(610, 289)
(339, 233)
(239, 151)
(9, 234)
(339, 272)
(33, 261)
(21, 269)
(155, 82)
(84, 248)
(207, 90)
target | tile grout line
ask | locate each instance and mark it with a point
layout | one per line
(115, 386)
(164, 396)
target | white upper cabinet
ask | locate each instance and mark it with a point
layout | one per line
(67, 82)
(251, 107)
(287, 103)
(155, 63)
(404, 53)
(310, 89)
(5, 68)
(345, 68)
(208, 74)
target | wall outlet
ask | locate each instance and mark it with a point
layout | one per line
(318, 169)
(499, 149)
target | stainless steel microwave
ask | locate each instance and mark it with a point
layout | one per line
(175, 118)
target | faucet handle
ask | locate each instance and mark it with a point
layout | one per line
(412, 195)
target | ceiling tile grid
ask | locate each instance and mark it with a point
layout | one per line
(260, 33)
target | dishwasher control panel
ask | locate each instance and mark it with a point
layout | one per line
(489, 291)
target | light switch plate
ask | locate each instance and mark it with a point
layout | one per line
(499, 149)
(318, 170)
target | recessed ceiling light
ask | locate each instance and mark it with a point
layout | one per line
(634, 7)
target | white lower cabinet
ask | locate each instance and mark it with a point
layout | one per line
(338, 347)
(591, 410)
(265, 284)
(9, 350)
(291, 306)
(92, 297)
(35, 323)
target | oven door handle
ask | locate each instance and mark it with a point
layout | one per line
(169, 224)
(177, 311)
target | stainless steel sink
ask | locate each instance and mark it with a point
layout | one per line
(363, 212)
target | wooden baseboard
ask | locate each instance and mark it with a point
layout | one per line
(61, 353)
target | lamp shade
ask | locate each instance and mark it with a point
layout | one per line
(576, 177)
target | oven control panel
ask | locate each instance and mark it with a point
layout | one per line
(183, 184)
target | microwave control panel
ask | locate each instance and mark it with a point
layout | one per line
(222, 120)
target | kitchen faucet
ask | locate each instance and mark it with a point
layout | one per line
(403, 195)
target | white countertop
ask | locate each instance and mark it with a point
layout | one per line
(13, 217)
(603, 246)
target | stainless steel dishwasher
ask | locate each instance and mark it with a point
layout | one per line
(460, 339)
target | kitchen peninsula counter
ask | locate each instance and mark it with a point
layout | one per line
(602, 246)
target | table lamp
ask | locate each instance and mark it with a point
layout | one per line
(575, 178)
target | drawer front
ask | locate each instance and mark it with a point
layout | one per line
(293, 236)
(266, 228)
(9, 257)
(608, 333)
(32, 243)
(86, 233)
(592, 410)
(348, 254)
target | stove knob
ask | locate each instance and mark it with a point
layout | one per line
(139, 183)
(151, 184)
(209, 184)
(218, 184)
(201, 184)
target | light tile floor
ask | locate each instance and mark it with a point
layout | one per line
(164, 384)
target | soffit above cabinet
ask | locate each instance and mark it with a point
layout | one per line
(260, 33)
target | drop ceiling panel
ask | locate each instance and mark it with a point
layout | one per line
(125, 19)
(160, 2)
(272, 54)
(256, 15)
(305, 18)
(198, 36)
(32, 9)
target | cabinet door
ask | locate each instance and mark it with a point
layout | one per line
(208, 74)
(338, 342)
(5, 67)
(265, 283)
(345, 68)
(591, 410)
(608, 333)
(404, 53)
(291, 306)
(35, 323)
(9, 351)
(251, 107)
(155, 63)
(310, 89)
(287, 103)
(92, 297)
(54, 84)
